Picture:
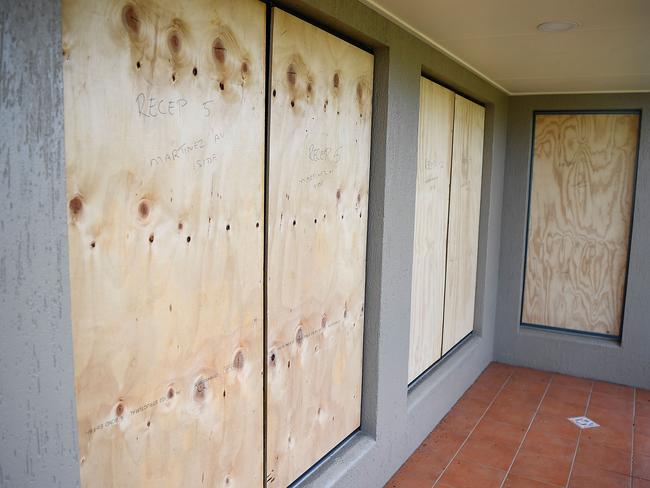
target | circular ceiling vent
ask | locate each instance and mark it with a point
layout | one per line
(557, 26)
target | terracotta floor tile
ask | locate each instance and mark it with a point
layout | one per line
(641, 466)
(482, 392)
(604, 457)
(554, 426)
(572, 382)
(643, 409)
(510, 415)
(642, 424)
(442, 445)
(502, 432)
(488, 452)
(550, 445)
(532, 374)
(514, 481)
(618, 437)
(614, 389)
(406, 479)
(568, 395)
(611, 416)
(527, 385)
(556, 406)
(520, 398)
(541, 468)
(642, 443)
(589, 477)
(625, 406)
(469, 475)
(458, 422)
(640, 483)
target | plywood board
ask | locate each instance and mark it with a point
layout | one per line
(430, 234)
(164, 129)
(581, 202)
(464, 214)
(319, 157)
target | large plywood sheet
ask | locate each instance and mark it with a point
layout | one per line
(464, 214)
(317, 215)
(581, 202)
(164, 128)
(431, 216)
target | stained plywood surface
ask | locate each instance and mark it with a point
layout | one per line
(164, 126)
(430, 234)
(580, 218)
(317, 217)
(464, 214)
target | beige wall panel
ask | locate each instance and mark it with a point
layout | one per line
(580, 218)
(317, 210)
(431, 216)
(164, 129)
(464, 213)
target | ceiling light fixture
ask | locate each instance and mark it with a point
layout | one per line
(557, 26)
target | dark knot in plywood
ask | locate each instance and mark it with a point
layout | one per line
(143, 209)
(292, 75)
(131, 19)
(219, 50)
(238, 362)
(299, 336)
(336, 81)
(76, 205)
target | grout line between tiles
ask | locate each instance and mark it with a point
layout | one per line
(505, 382)
(523, 439)
(631, 477)
(575, 454)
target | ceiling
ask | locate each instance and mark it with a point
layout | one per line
(499, 40)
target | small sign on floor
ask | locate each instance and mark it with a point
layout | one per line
(584, 422)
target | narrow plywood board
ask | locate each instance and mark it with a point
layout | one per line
(464, 214)
(430, 234)
(164, 129)
(319, 158)
(581, 200)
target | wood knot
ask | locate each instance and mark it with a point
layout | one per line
(291, 75)
(143, 209)
(219, 50)
(119, 410)
(199, 389)
(130, 19)
(359, 92)
(238, 362)
(76, 205)
(336, 81)
(272, 359)
(299, 336)
(170, 393)
(174, 42)
(323, 321)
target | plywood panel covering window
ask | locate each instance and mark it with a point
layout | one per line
(430, 234)
(464, 214)
(581, 200)
(319, 154)
(164, 132)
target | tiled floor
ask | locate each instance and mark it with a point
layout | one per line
(510, 430)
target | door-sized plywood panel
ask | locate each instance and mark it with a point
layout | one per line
(319, 158)
(581, 200)
(430, 235)
(464, 213)
(164, 129)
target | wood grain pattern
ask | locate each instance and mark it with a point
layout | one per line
(430, 234)
(164, 126)
(583, 167)
(464, 214)
(317, 216)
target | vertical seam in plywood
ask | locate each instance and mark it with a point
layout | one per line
(267, 128)
(451, 173)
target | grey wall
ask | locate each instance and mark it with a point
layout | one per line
(37, 420)
(37, 406)
(627, 362)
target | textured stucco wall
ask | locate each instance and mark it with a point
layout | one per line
(37, 420)
(37, 405)
(627, 362)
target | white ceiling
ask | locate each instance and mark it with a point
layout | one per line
(499, 40)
